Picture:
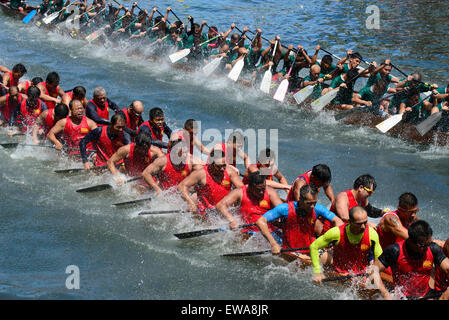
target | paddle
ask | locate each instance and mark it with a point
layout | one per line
(237, 69)
(193, 234)
(174, 57)
(94, 35)
(74, 170)
(51, 17)
(10, 145)
(265, 84)
(102, 187)
(386, 125)
(255, 253)
(211, 66)
(118, 204)
(349, 276)
(29, 16)
(159, 212)
(283, 86)
(429, 123)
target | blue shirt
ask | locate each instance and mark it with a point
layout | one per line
(281, 211)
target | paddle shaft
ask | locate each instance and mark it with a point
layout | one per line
(159, 212)
(254, 253)
(198, 233)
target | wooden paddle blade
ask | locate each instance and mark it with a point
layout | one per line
(323, 101)
(174, 57)
(386, 125)
(236, 70)
(131, 202)
(265, 84)
(429, 123)
(303, 94)
(99, 187)
(211, 66)
(9, 145)
(29, 16)
(281, 91)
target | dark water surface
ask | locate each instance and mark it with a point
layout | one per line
(47, 226)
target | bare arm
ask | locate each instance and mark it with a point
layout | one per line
(232, 198)
(155, 167)
(196, 177)
(57, 128)
(120, 154)
(40, 121)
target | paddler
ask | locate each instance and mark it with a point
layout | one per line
(24, 85)
(314, 78)
(167, 172)
(344, 83)
(156, 127)
(99, 106)
(28, 111)
(9, 103)
(133, 116)
(136, 157)
(266, 166)
(298, 221)
(233, 149)
(354, 246)
(50, 90)
(441, 282)
(47, 120)
(411, 262)
(12, 78)
(363, 187)
(107, 140)
(253, 200)
(211, 184)
(73, 128)
(77, 93)
(188, 134)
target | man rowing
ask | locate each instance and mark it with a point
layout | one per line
(47, 120)
(133, 116)
(267, 167)
(355, 245)
(298, 220)
(12, 78)
(316, 79)
(73, 128)
(169, 171)
(254, 199)
(211, 184)
(411, 262)
(107, 140)
(25, 85)
(232, 149)
(77, 93)
(156, 127)
(441, 281)
(99, 106)
(188, 135)
(9, 103)
(136, 156)
(50, 90)
(28, 110)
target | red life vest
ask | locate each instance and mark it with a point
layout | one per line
(102, 112)
(348, 257)
(27, 85)
(53, 93)
(252, 210)
(412, 276)
(298, 231)
(211, 193)
(74, 133)
(230, 161)
(8, 109)
(136, 163)
(352, 202)
(49, 120)
(441, 280)
(28, 116)
(170, 176)
(130, 123)
(258, 165)
(153, 134)
(306, 178)
(387, 238)
(180, 135)
(107, 147)
(70, 94)
(12, 81)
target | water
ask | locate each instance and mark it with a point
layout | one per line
(47, 226)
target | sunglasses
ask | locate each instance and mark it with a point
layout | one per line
(370, 191)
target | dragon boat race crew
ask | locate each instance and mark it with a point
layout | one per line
(411, 262)
(77, 93)
(326, 66)
(298, 220)
(28, 111)
(314, 78)
(233, 149)
(47, 120)
(50, 90)
(73, 128)
(266, 166)
(211, 184)
(156, 127)
(188, 134)
(254, 199)
(344, 83)
(107, 140)
(417, 109)
(133, 116)
(355, 245)
(9, 103)
(25, 85)
(363, 187)
(136, 156)
(168, 172)
(393, 225)
(12, 78)
(98, 107)
(300, 61)
(382, 73)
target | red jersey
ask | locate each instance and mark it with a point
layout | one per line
(8, 108)
(350, 257)
(352, 202)
(52, 93)
(131, 122)
(74, 133)
(211, 193)
(298, 231)
(154, 134)
(305, 177)
(258, 165)
(180, 135)
(412, 276)
(252, 210)
(135, 163)
(103, 112)
(28, 116)
(170, 176)
(441, 280)
(107, 147)
(12, 81)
